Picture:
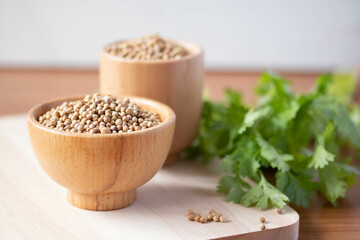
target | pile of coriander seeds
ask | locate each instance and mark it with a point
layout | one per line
(151, 47)
(99, 114)
(212, 216)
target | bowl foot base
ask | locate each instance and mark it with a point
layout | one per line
(171, 159)
(101, 201)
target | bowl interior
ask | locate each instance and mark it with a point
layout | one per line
(193, 49)
(167, 115)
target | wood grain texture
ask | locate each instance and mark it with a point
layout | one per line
(20, 89)
(34, 207)
(175, 82)
(102, 171)
(39, 85)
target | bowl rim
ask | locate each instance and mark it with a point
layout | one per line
(146, 101)
(186, 44)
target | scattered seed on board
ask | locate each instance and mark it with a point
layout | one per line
(262, 220)
(99, 115)
(212, 216)
(279, 211)
(203, 219)
(151, 47)
(262, 227)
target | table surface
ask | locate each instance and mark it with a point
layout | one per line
(20, 89)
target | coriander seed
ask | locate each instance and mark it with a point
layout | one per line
(262, 220)
(105, 130)
(262, 227)
(203, 219)
(150, 47)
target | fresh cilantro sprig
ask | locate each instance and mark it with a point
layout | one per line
(299, 136)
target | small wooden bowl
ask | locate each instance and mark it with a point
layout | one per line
(102, 171)
(175, 82)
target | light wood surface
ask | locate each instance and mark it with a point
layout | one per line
(34, 207)
(20, 89)
(102, 171)
(176, 82)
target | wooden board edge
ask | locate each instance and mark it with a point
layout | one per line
(288, 232)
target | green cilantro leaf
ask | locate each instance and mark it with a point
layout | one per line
(321, 157)
(332, 183)
(233, 187)
(299, 137)
(235, 194)
(276, 159)
(342, 86)
(346, 127)
(236, 111)
(228, 164)
(252, 116)
(249, 167)
(264, 195)
(243, 160)
(287, 114)
(226, 183)
(298, 188)
(349, 172)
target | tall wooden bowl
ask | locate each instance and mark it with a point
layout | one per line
(177, 83)
(102, 171)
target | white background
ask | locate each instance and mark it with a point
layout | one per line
(286, 34)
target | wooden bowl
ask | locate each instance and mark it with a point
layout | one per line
(102, 171)
(177, 83)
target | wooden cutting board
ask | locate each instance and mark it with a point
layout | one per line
(35, 207)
